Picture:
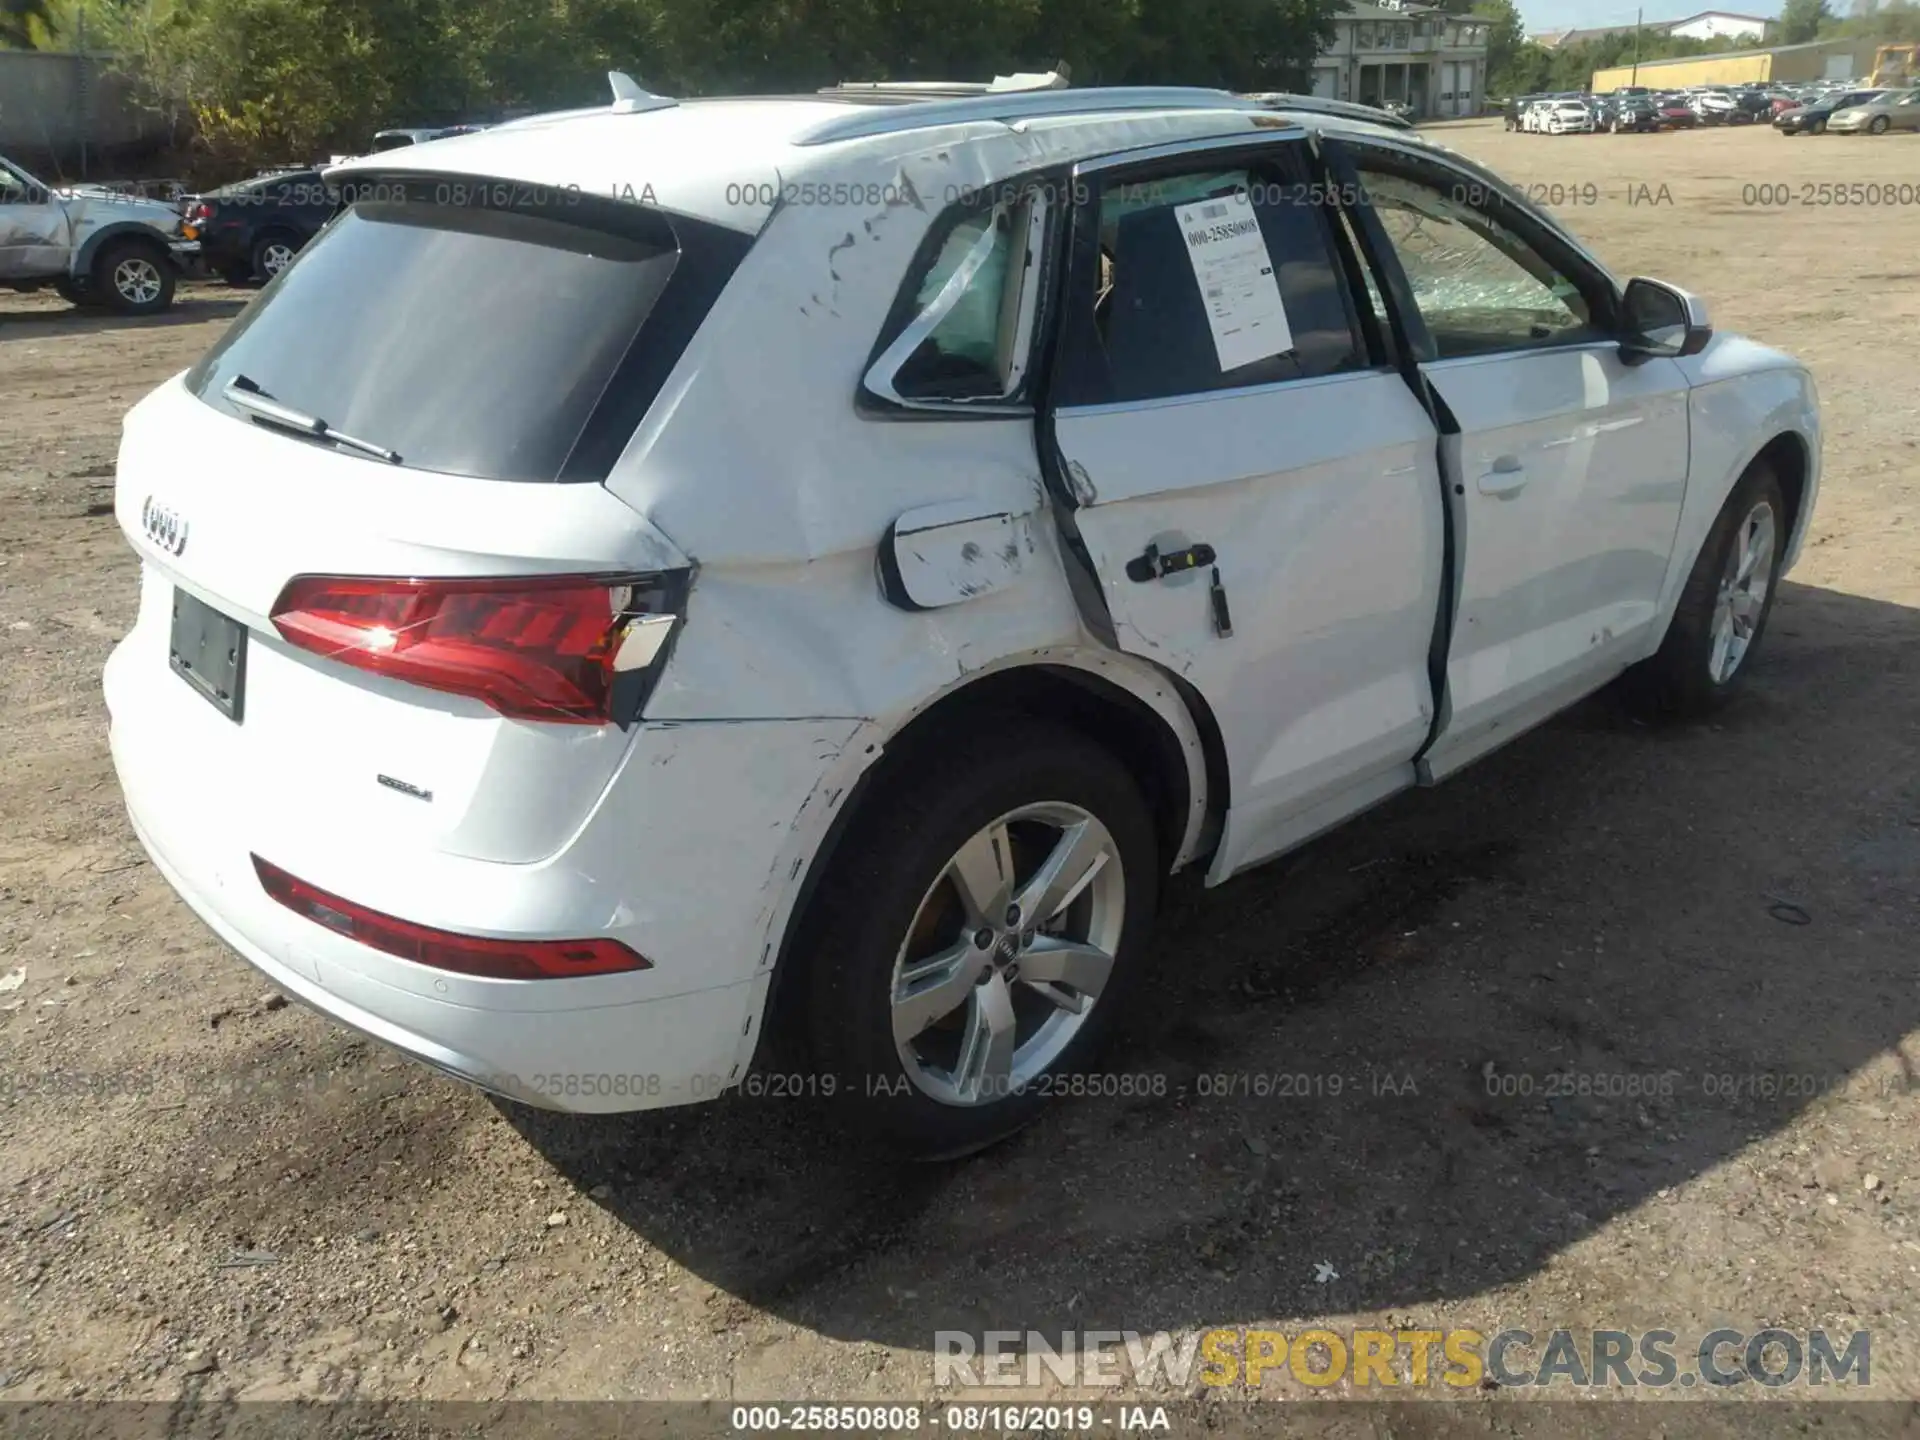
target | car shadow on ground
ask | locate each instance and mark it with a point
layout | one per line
(48, 322)
(1370, 1054)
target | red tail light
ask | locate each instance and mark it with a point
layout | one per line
(443, 950)
(202, 211)
(548, 647)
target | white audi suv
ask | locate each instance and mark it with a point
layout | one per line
(678, 584)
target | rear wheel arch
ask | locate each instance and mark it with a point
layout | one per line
(1157, 726)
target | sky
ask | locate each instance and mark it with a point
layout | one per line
(1590, 14)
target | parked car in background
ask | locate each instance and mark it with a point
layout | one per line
(432, 713)
(1636, 114)
(1676, 113)
(1812, 118)
(249, 232)
(92, 244)
(1567, 117)
(1894, 110)
(1751, 105)
(1714, 107)
(1534, 121)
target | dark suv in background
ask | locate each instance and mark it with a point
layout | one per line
(249, 232)
(1631, 112)
(1811, 118)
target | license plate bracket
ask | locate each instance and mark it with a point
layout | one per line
(209, 651)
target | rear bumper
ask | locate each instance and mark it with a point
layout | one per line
(697, 896)
(596, 1060)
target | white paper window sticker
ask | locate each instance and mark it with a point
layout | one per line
(1237, 279)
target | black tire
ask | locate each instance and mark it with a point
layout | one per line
(272, 253)
(1878, 125)
(133, 277)
(888, 879)
(1816, 127)
(1679, 683)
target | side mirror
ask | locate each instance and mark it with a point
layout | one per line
(1662, 320)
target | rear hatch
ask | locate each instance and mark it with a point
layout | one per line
(384, 590)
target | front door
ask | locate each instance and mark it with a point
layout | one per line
(1567, 463)
(1255, 489)
(33, 228)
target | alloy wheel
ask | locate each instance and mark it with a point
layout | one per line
(1008, 954)
(275, 257)
(1743, 593)
(137, 280)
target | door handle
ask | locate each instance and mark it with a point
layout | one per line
(1158, 564)
(1507, 478)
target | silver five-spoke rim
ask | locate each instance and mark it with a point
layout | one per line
(276, 258)
(137, 280)
(1743, 593)
(1008, 953)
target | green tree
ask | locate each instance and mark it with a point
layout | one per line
(284, 80)
(25, 23)
(1800, 21)
(1506, 37)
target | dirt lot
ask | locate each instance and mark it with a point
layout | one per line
(204, 1192)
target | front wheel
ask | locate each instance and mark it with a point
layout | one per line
(1724, 609)
(1878, 125)
(978, 934)
(133, 278)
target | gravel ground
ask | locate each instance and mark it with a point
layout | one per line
(207, 1193)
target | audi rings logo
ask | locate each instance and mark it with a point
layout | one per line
(164, 527)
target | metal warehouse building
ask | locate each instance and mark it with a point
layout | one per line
(1819, 60)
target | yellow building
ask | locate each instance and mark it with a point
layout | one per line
(1775, 64)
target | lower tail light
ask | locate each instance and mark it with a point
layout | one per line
(444, 950)
(572, 649)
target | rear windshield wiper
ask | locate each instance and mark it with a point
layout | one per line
(256, 402)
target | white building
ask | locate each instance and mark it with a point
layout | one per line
(1414, 54)
(1720, 25)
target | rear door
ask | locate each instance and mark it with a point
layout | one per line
(1567, 464)
(1255, 488)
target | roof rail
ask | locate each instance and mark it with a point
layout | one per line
(900, 91)
(1321, 105)
(1010, 106)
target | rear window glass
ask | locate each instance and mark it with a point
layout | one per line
(480, 328)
